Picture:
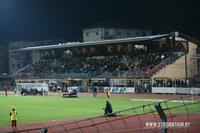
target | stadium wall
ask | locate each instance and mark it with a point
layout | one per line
(176, 90)
(160, 90)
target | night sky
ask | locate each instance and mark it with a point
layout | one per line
(31, 20)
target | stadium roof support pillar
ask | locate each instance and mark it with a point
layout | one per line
(186, 73)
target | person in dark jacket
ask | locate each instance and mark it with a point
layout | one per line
(95, 91)
(108, 109)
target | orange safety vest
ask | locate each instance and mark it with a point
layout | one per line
(13, 115)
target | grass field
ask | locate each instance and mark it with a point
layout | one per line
(45, 108)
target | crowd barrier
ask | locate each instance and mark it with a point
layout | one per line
(160, 90)
(176, 90)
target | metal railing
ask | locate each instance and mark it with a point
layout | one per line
(136, 119)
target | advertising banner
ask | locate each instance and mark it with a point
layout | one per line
(121, 89)
(77, 88)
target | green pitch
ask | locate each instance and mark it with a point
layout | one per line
(46, 108)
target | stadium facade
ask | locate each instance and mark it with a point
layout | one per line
(102, 32)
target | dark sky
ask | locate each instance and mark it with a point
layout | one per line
(63, 19)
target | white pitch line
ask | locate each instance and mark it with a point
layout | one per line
(159, 100)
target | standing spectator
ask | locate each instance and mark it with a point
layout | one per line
(108, 93)
(15, 91)
(6, 91)
(13, 117)
(95, 91)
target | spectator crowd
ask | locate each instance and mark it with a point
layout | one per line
(95, 65)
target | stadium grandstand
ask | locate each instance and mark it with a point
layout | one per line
(166, 63)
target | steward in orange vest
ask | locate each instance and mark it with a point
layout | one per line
(13, 117)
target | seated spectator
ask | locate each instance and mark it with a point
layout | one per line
(95, 66)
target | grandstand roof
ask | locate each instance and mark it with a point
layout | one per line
(106, 42)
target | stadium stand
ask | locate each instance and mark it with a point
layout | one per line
(96, 66)
(141, 63)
